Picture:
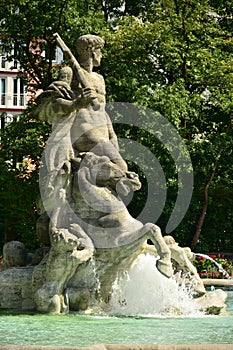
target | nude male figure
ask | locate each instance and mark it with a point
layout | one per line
(92, 129)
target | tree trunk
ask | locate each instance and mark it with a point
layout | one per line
(203, 213)
(206, 196)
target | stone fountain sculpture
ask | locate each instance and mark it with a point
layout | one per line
(91, 234)
(84, 175)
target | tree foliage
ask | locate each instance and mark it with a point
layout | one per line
(173, 56)
(22, 144)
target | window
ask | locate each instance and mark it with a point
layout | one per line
(15, 92)
(18, 92)
(56, 54)
(22, 92)
(3, 58)
(3, 91)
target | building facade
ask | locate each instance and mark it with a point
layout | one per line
(13, 91)
(13, 96)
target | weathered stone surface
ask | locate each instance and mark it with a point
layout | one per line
(51, 276)
(42, 229)
(14, 254)
(79, 299)
(182, 258)
(213, 302)
(82, 178)
(16, 289)
(39, 255)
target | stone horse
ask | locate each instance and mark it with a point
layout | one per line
(93, 216)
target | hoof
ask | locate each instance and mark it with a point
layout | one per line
(165, 268)
(200, 289)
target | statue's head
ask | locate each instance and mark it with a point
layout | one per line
(66, 74)
(169, 240)
(89, 47)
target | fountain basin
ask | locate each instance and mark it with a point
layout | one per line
(74, 330)
(124, 347)
(225, 284)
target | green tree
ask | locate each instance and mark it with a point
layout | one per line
(26, 33)
(27, 29)
(177, 59)
(22, 144)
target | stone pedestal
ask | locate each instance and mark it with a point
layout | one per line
(16, 289)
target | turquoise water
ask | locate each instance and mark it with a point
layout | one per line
(79, 330)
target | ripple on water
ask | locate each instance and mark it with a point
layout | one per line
(79, 330)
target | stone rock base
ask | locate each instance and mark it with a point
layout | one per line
(213, 303)
(16, 289)
(16, 293)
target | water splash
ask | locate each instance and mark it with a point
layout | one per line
(219, 266)
(143, 291)
(97, 287)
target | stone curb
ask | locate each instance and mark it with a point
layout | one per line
(227, 284)
(123, 347)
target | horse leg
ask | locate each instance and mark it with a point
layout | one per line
(149, 231)
(164, 264)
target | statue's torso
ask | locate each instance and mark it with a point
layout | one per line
(90, 124)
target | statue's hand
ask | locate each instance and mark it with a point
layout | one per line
(88, 95)
(129, 183)
(134, 180)
(62, 240)
(84, 240)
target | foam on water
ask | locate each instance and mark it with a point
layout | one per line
(143, 291)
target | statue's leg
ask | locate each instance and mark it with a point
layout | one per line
(48, 300)
(179, 255)
(50, 297)
(109, 150)
(150, 231)
(164, 264)
(60, 266)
